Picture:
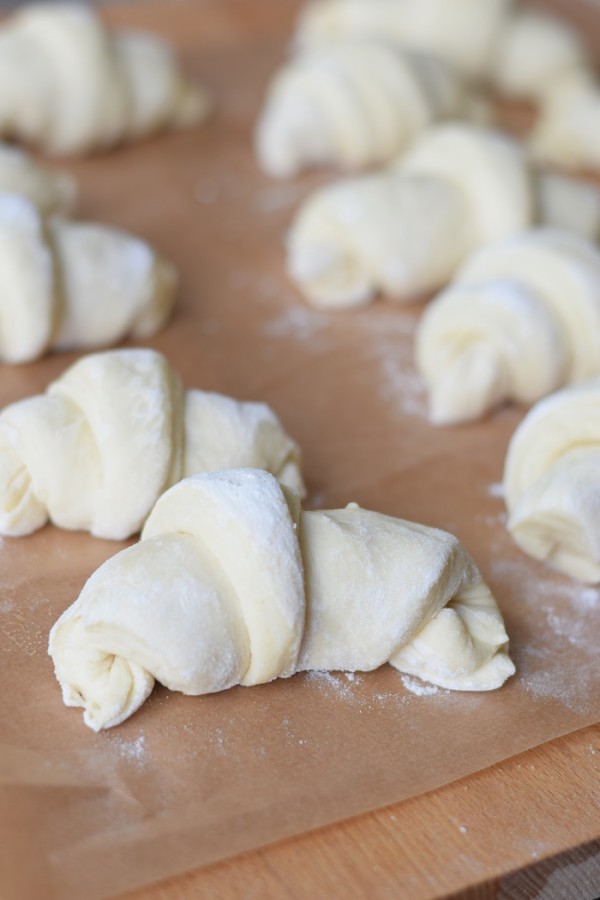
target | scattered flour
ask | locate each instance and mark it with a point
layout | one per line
(496, 490)
(418, 687)
(297, 322)
(133, 750)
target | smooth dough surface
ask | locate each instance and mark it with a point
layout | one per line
(69, 86)
(68, 285)
(520, 320)
(232, 583)
(536, 50)
(551, 482)
(112, 433)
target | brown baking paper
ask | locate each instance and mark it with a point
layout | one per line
(190, 780)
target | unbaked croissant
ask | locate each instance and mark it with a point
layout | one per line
(66, 285)
(115, 430)
(551, 484)
(232, 583)
(521, 319)
(68, 86)
(355, 104)
(51, 192)
(405, 232)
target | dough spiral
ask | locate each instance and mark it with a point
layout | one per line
(232, 583)
(67, 285)
(68, 86)
(405, 232)
(551, 481)
(354, 105)
(521, 319)
(115, 430)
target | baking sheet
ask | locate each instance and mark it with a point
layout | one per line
(188, 781)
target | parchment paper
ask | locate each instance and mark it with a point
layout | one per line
(188, 781)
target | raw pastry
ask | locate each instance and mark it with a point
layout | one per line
(551, 482)
(355, 104)
(66, 285)
(232, 583)
(52, 192)
(567, 130)
(521, 319)
(112, 433)
(68, 86)
(464, 33)
(405, 231)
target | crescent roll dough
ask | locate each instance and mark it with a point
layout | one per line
(521, 319)
(68, 86)
(96, 450)
(551, 482)
(405, 232)
(65, 285)
(51, 192)
(232, 583)
(354, 104)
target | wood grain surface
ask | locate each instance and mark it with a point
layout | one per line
(526, 828)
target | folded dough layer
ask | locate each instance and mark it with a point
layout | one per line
(521, 319)
(112, 433)
(551, 482)
(232, 584)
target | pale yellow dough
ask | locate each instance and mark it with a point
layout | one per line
(521, 319)
(405, 231)
(551, 482)
(232, 583)
(112, 433)
(69, 86)
(355, 104)
(66, 285)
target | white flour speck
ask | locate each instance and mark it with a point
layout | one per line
(418, 688)
(297, 322)
(131, 750)
(496, 490)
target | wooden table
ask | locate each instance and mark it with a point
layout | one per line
(528, 827)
